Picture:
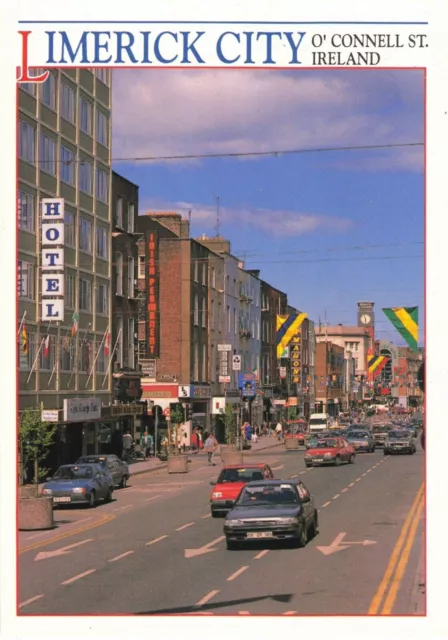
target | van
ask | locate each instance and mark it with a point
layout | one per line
(319, 422)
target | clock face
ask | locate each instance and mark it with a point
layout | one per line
(365, 318)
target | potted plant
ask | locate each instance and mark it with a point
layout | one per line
(233, 453)
(35, 439)
(177, 461)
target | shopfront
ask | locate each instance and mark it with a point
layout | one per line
(200, 398)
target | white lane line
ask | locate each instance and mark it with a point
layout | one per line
(282, 466)
(30, 600)
(201, 468)
(126, 506)
(302, 472)
(326, 504)
(209, 515)
(344, 490)
(289, 613)
(185, 526)
(295, 476)
(261, 554)
(206, 598)
(237, 573)
(155, 540)
(122, 555)
(368, 470)
(352, 484)
(152, 498)
(358, 479)
(336, 496)
(79, 576)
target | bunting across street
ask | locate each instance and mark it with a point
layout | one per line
(405, 321)
(375, 364)
(287, 327)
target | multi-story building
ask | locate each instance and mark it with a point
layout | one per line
(397, 379)
(64, 152)
(311, 382)
(329, 377)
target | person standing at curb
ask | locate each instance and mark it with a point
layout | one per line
(279, 430)
(210, 447)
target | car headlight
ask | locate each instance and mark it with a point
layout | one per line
(287, 520)
(308, 455)
(232, 523)
(329, 455)
(79, 490)
(217, 494)
(47, 492)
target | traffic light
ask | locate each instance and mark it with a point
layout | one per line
(421, 377)
(189, 409)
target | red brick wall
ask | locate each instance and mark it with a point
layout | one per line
(170, 304)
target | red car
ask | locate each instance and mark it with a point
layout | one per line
(330, 451)
(230, 482)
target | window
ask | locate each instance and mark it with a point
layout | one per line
(204, 363)
(48, 92)
(46, 357)
(131, 350)
(85, 235)
(26, 280)
(69, 229)
(101, 243)
(204, 314)
(26, 211)
(196, 311)
(86, 356)
(119, 350)
(212, 315)
(213, 278)
(204, 275)
(101, 185)
(27, 142)
(228, 285)
(356, 346)
(27, 359)
(119, 291)
(47, 154)
(196, 271)
(29, 87)
(68, 354)
(102, 299)
(85, 295)
(141, 266)
(235, 288)
(85, 116)
(131, 274)
(102, 74)
(67, 166)
(67, 103)
(196, 363)
(228, 320)
(131, 220)
(119, 213)
(356, 361)
(101, 360)
(219, 316)
(70, 290)
(85, 177)
(101, 128)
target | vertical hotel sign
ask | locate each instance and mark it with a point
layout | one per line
(52, 259)
(153, 296)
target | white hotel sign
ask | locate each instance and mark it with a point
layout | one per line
(52, 259)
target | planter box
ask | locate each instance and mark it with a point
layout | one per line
(35, 514)
(178, 464)
(291, 443)
(230, 456)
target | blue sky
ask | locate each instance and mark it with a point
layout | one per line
(329, 229)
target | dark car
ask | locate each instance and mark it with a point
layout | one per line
(399, 441)
(361, 440)
(118, 469)
(380, 433)
(272, 510)
(315, 437)
(79, 484)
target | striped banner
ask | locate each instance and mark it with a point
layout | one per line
(375, 364)
(287, 327)
(380, 366)
(405, 321)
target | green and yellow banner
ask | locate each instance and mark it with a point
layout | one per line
(405, 321)
(287, 327)
(375, 364)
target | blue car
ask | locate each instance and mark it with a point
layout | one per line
(79, 484)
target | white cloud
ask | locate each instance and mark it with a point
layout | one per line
(177, 112)
(279, 223)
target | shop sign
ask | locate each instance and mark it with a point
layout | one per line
(278, 402)
(201, 392)
(224, 347)
(80, 409)
(184, 391)
(52, 259)
(224, 374)
(218, 406)
(159, 391)
(126, 410)
(236, 363)
(149, 369)
(282, 373)
(153, 296)
(50, 415)
(247, 384)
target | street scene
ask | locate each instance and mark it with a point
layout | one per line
(220, 341)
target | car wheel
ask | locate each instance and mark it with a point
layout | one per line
(385, 452)
(351, 460)
(231, 545)
(337, 462)
(308, 464)
(92, 500)
(314, 527)
(124, 482)
(108, 497)
(215, 514)
(303, 537)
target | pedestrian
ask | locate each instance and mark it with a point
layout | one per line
(149, 444)
(144, 444)
(210, 447)
(255, 434)
(126, 443)
(279, 430)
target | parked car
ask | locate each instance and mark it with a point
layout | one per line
(79, 484)
(230, 482)
(361, 440)
(330, 451)
(272, 510)
(399, 441)
(118, 469)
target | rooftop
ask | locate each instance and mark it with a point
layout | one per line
(341, 330)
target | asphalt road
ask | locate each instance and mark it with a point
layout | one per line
(130, 558)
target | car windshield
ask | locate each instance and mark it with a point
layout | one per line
(73, 473)
(326, 444)
(276, 495)
(240, 475)
(362, 435)
(92, 460)
(399, 435)
(381, 429)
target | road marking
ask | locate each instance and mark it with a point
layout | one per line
(206, 548)
(336, 496)
(152, 498)
(43, 555)
(363, 474)
(282, 466)
(206, 598)
(209, 515)
(344, 490)
(339, 544)
(352, 484)
(79, 576)
(126, 506)
(294, 476)
(43, 533)
(122, 555)
(302, 472)
(396, 553)
(156, 540)
(290, 613)
(237, 573)
(326, 504)
(30, 600)
(185, 526)
(201, 468)
(368, 471)
(261, 554)
(358, 479)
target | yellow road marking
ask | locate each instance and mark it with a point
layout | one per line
(394, 558)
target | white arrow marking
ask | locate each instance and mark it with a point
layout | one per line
(44, 555)
(207, 548)
(336, 545)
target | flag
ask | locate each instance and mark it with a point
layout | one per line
(405, 321)
(287, 328)
(375, 364)
(107, 344)
(47, 346)
(75, 324)
(24, 339)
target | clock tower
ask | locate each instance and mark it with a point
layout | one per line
(366, 320)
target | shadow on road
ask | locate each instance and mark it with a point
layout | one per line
(286, 597)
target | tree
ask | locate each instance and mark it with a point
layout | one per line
(230, 424)
(35, 440)
(177, 417)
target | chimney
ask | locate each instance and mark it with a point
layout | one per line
(172, 221)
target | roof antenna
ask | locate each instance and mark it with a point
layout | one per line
(217, 227)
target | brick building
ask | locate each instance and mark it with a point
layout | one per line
(329, 368)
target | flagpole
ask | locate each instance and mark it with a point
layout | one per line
(38, 353)
(96, 356)
(80, 343)
(110, 359)
(21, 323)
(56, 362)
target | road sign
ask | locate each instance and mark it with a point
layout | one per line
(224, 347)
(236, 363)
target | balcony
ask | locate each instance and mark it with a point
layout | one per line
(245, 333)
(246, 299)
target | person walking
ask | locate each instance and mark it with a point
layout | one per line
(144, 444)
(210, 447)
(126, 443)
(149, 445)
(279, 430)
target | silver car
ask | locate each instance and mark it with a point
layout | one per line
(118, 469)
